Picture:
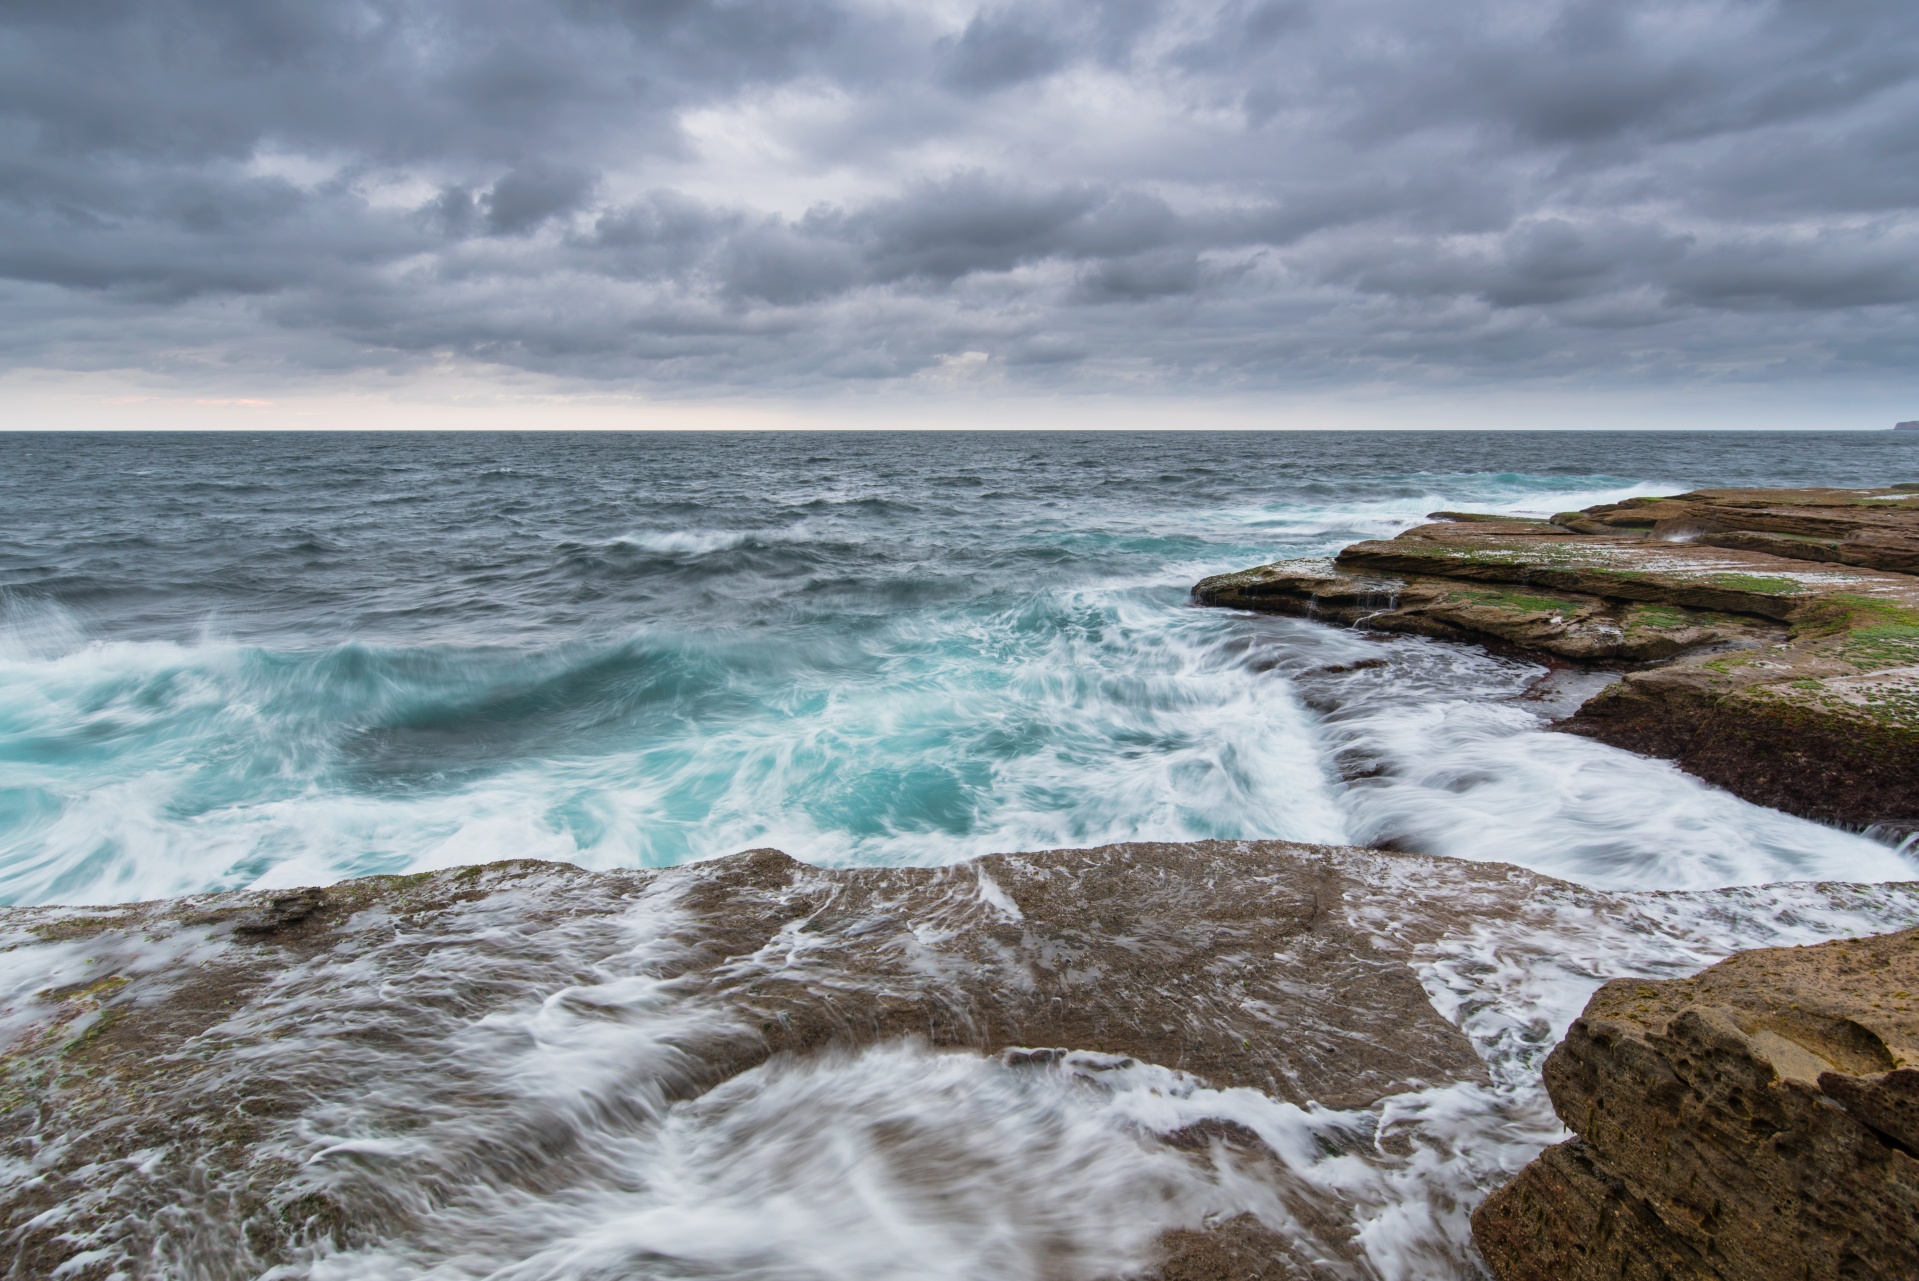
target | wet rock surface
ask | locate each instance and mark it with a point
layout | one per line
(1236, 1060)
(1232, 962)
(1757, 1120)
(1774, 633)
(162, 1047)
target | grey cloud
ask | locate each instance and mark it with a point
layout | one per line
(1001, 50)
(453, 212)
(939, 233)
(772, 263)
(1254, 192)
(946, 230)
(1149, 275)
(527, 197)
(1243, 33)
(1838, 270)
(1538, 263)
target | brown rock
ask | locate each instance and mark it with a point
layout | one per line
(1190, 956)
(1788, 618)
(1750, 1122)
(1875, 529)
(1234, 961)
(1241, 1249)
(1505, 612)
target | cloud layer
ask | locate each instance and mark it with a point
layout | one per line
(695, 195)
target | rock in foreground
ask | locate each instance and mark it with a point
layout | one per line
(1759, 1120)
(1777, 630)
(222, 1085)
(1223, 1061)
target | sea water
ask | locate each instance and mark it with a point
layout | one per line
(233, 661)
(263, 660)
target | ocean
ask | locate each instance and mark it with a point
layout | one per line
(273, 660)
(233, 661)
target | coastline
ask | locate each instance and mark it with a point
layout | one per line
(1768, 641)
(1183, 1060)
(1277, 1043)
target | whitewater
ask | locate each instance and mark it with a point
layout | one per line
(235, 662)
(230, 662)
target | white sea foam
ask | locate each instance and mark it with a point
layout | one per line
(221, 766)
(1103, 716)
(1294, 522)
(693, 542)
(1099, 710)
(901, 665)
(1470, 780)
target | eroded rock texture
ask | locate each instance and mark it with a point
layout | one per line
(1776, 632)
(1870, 528)
(1760, 1120)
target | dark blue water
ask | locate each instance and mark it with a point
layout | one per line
(237, 659)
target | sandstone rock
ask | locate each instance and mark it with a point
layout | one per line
(1625, 567)
(1875, 529)
(1803, 734)
(152, 1090)
(1755, 1121)
(1241, 1249)
(1573, 625)
(1788, 620)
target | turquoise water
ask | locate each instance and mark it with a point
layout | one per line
(236, 660)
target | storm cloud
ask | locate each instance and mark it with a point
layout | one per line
(702, 194)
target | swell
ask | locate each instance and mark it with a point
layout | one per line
(392, 655)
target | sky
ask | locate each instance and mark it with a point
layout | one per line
(870, 212)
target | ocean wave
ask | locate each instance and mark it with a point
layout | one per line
(152, 769)
(1343, 517)
(1106, 714)
(692, 542)
(834, 659)
(617, 653)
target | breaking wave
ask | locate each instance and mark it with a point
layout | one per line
(859, 652)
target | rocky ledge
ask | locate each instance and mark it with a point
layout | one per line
(454, 1073)
(1769, 639)
(167, 1066)
(1758, 1120)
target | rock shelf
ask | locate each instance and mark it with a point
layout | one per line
(1758, 1120)
(1769, 638)
(154, 1087)
(237, 1085)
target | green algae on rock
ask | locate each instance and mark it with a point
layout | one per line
(1776, 631)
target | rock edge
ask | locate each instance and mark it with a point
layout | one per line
(1759, 1120)
(1769, 639)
